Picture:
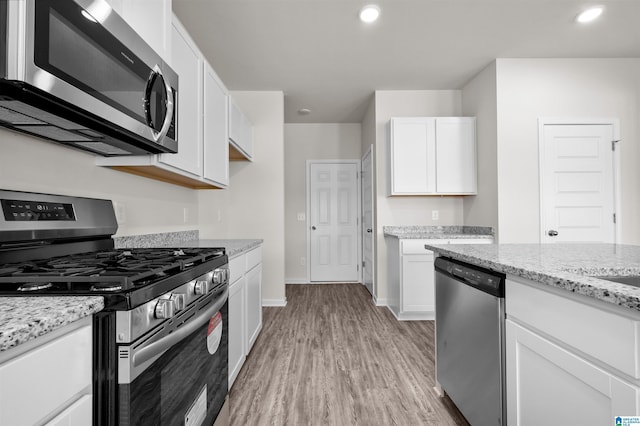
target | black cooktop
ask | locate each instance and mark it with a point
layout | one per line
(99, 272)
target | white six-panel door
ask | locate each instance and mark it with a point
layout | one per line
(333, 222)
(577, 183)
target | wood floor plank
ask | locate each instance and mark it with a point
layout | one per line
(330, 357)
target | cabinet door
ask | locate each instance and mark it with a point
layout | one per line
(80, 413)
(254, 305)
(546, 384)
(240, 131)
(188, 64)
(216, 145)
(151, 19)
(412, 156)
(418, 288)
(46, 379)
(456, 155)
(236, 328)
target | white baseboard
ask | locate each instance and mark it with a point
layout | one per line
(297, 281)
(413, 316)
(379, 302)
(274, 302)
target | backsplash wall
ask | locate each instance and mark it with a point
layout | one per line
(36, 165)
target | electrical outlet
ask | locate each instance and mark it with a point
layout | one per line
(303, 261)
(185, 214)
(302, 217)
(435, 215)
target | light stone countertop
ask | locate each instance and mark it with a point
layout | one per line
(233, 248)
(24, 318)
(571, 267)
(437, 232)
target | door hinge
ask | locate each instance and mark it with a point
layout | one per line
(357, 267)
(614, 218)
(613, 144)
(363, 264)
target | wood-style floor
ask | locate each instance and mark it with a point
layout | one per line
(330, 357)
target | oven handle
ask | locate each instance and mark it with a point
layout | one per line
(157, 348)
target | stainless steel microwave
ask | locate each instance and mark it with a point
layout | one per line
(74, 72)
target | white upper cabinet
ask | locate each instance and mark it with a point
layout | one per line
(151, 19)
(202, 160)
(432, 156)
(187, 62)
(240, 133)
(216, 147)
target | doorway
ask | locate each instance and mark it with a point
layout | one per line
(578, 181)
(333, 203)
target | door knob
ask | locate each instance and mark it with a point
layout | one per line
(313, 228)
(369, 230)
(552, 233)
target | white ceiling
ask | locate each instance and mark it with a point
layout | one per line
(325, 59)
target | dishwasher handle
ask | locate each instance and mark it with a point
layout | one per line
(483, 279)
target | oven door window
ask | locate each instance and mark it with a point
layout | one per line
(71, 44)
(171, 387)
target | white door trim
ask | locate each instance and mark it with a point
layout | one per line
(369, 153)
(615, 123)
(358, 212)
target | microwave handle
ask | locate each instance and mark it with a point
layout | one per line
(170, 103)
(158, 347)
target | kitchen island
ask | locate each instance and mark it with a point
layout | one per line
(572, 340)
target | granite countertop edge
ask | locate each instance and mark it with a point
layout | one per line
(578, 279)
(232, 247)
(425, 232)
(26, 318)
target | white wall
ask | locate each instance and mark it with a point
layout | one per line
(408, 210)
(573, 88)
(36, 165)
(309, 142)
(253, 205)
(479, 100)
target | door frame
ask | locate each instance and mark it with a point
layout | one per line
(615, 123)
(358, 213)
(370, 153)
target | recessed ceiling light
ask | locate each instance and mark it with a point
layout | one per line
(304, 111)
(589, 15)
(369, 13)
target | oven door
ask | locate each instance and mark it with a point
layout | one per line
(179, 375)
(82, 52)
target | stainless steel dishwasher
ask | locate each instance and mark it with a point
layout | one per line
(470, 340)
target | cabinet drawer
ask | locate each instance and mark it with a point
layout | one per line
(236, 268)
(417, 246)
(254, 257)
(606, 336)
(39, 382)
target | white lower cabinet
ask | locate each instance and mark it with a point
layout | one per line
(49, 380)
(560, 357)
(245, 307)
(547, 384)
(411, 276)
(237, 320)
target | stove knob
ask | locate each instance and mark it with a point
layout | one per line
(202, 287)
(165, 308)
(179, 300)
(219, 276)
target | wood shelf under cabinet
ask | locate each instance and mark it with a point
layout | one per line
(168, 176)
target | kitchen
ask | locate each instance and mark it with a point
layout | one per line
(507, 96)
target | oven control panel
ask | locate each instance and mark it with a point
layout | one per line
(20, 210)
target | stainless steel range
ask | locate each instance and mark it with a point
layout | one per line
(161, 343)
